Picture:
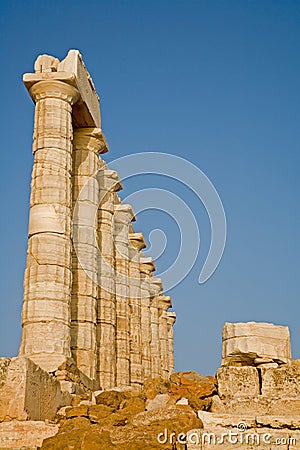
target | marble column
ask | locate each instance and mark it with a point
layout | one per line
(171, 321)
(156, 289)
(137, 244)
(147, 267)
(106, 308)
(122, 218)
(88, 144)
(48, 276)
(164, 303)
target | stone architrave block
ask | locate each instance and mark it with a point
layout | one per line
(238, 382)
(27, 392)
(71, 70)
(243, 343)
(282, 382)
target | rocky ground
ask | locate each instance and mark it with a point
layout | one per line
(242, 408)
(132, 420)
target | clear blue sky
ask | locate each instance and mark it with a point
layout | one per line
(215, 82)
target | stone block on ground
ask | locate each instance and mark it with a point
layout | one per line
(282, 382)
(238, 382)
(253, 342)
(258, 405)
(27, 392)
(160, 401)
(228, 431)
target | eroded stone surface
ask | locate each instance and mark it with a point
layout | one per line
(28, 393)
(238, 382)
(88, 289)
(282, 382)
(25, 434)
(228, 431)
(259, 405)
(160, 401)
(243, 343)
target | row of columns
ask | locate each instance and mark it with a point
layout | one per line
(89, 292)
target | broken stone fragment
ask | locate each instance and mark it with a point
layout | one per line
(160, 401)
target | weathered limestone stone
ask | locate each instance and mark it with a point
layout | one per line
(147, 267)
(73, 381)
(164, 303)
(47, 282)
(106, 309)
(127, 426)
(267, 366)
(238, 382)
(182, 401)
(197, 388)
(25, 435)
(137, 243)
(291, 422)
(171, 321)
(93, 302)
(27, 392)
(156, 364)
(87, 145)
(258, 405)
(71, 71)
(158, 402)
(123, 216)
(46, 63)
(4, 363)
(243, 343)
(282, 382)
(228, 431)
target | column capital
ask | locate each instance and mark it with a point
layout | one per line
(164, 302)
(88, 138)
(72, 71)
(147, 265)
(137, 241)
(54, 89)
(124, 213)
(109, 180)
(156, 287)
(171, 315)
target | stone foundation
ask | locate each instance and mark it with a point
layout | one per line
(27, 392)
(244, 407)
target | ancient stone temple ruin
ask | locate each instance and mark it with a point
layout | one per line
(89, 293)
(95, 370)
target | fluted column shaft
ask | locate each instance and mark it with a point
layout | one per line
(146, 268)
(171, 321)
(122, 218)
(164, 305)
(48, 277)
(88, 143)
(106, 309)
(156, 289)
(137, 244)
